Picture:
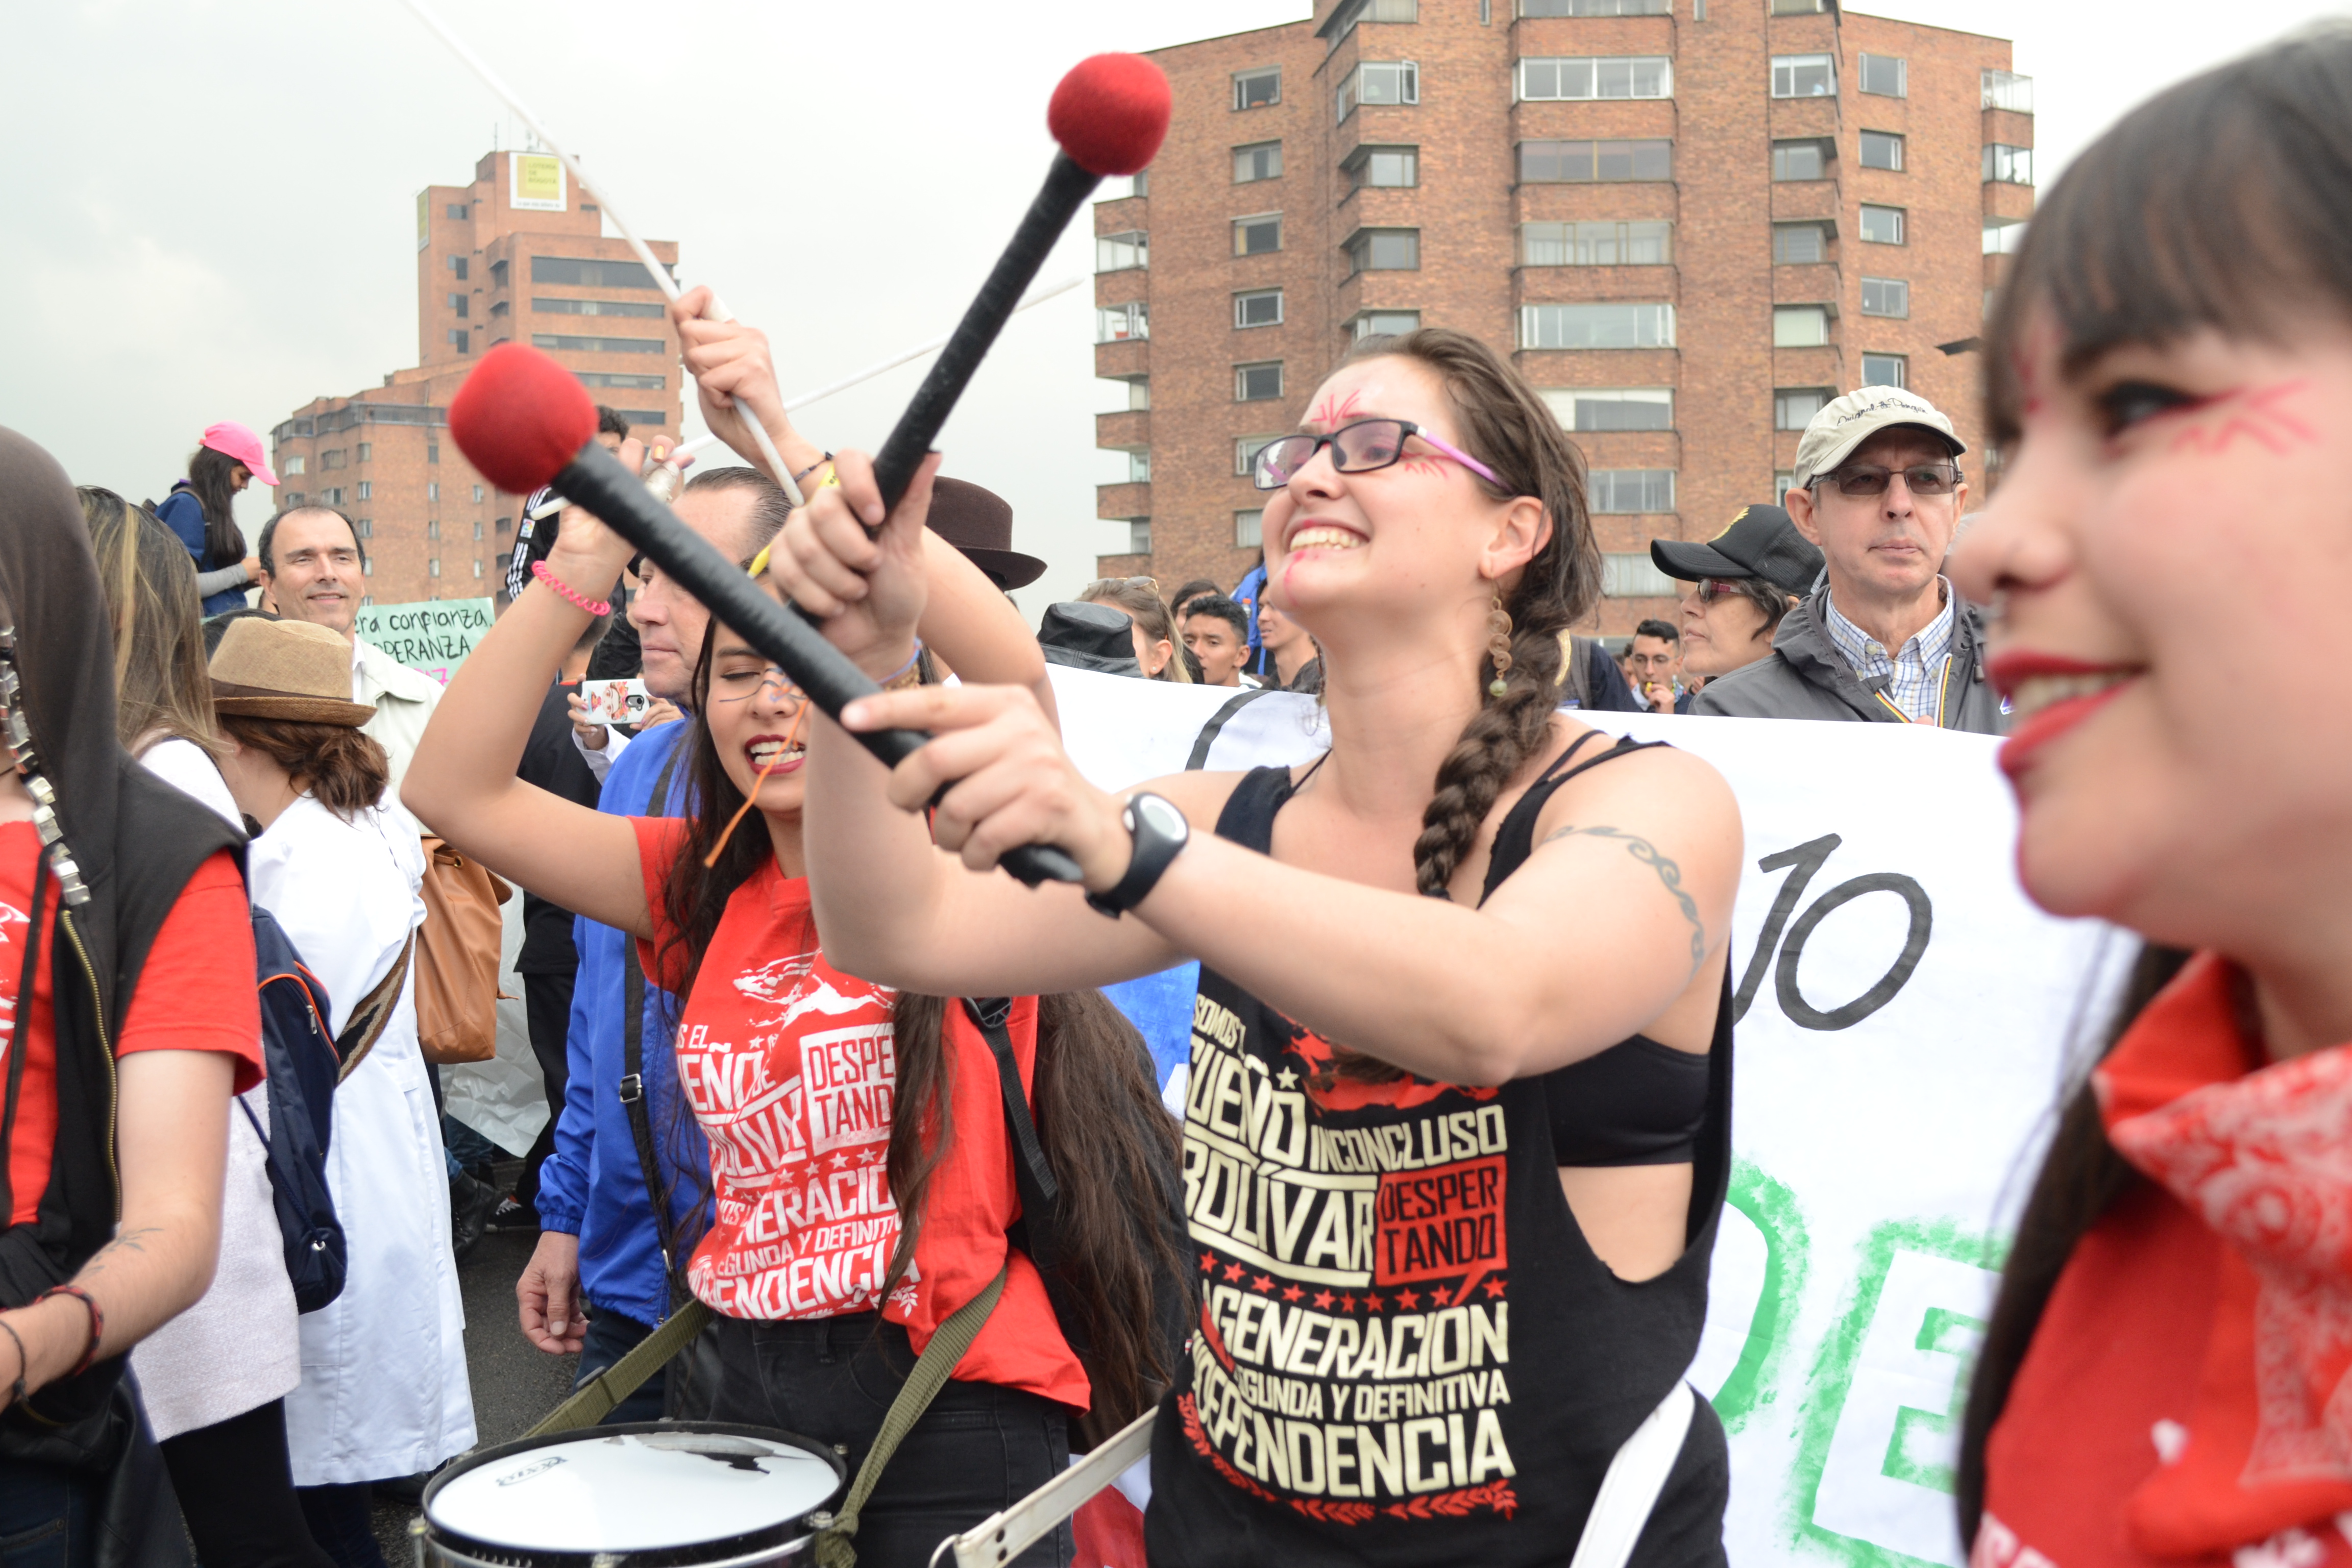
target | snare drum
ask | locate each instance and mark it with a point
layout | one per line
(656, 1495)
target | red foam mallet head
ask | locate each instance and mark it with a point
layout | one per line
(1110, 112)
(521, 417)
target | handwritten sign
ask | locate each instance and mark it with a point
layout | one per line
(434, 636)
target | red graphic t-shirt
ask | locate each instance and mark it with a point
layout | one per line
(791, 1070)
(195, 993)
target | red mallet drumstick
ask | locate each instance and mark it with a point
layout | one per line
(1109, 114)
(525, 421)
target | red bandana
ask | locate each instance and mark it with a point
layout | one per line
(2263, 1155)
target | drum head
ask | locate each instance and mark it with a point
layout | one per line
(663, 1489)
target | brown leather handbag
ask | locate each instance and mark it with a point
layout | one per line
(457, 958)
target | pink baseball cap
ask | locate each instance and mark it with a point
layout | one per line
(231, 439)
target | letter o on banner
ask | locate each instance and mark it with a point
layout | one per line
(1804, 1014)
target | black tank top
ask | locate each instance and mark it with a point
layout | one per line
(1407, 1352)
(1638, 1102)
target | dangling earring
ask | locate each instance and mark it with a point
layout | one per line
(1498, 644)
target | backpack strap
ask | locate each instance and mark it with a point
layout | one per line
(1033, 1176)
(365, 1026)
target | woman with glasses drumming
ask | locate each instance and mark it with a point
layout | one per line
(1878, 488)
(1743, 583)
(1457, 1126)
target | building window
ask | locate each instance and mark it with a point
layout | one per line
(367, 450)
(367, 569)
(1881, 226)
(2003, 235)
(1379, 81)
(459, 338)
(505, 526)
(1117, 323)
(432, 490)
(1800, 326)
(477, 495)
(1383, 250)
(432, 531)
(1799, 7)
(1596, 326)
(1802, 160)
(1258, 236)
(1794, 244)
(1351, 12)
(478, 528)
(1259, 307)
(1592, 8)
(1139, 393)
(1138, 536)
(1882, 149)
(1632, 489)
(1260, 161)
(579, 272)
(1881, 74)
(1606, 409)
(547, 305)
(1117, 252)
(1383, 167)
(2008, 165)
(499, 309)
(333, 458)
(458, 266)
(1139, 465)
(497, 274)
(1804, 76)
(1782, 483)
(366, 528)
(462, 304)
(1249, 529)
(456, 210)
(1139, 182)
(1885, 370)
(1579, 163)
(1630, 576)
(1257, 88)
(2007, 89)
(1257, 383)
(433, 567)
(1596, 75)
(433, 452)
(612, 378)
(1647, 242)
(578, 345)
(1886, 297)
(1793, 407)
(1245, 451)
(291, 464)
(367, 489)
(477, 568)
(1383, 323)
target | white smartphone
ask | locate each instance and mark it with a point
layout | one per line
(615, 701)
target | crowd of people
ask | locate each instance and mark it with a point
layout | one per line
(1460, 1024)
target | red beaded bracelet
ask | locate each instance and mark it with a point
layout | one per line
(592, 606)
(97, 1321)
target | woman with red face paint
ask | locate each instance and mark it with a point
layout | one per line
(1457, 1128)
(2164, 1378)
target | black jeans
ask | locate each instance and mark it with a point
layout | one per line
(343, 1521)
(612, 1336)
(547, 1005)
(978, 1448)
(236, 1492)
(47, 1516)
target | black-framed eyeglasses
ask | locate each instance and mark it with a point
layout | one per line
(1926, 480)
(1359, 448)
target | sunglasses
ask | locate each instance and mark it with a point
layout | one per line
(1360, 449)
(1927, 480)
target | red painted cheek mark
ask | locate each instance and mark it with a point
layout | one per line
(2252, 415)
(1429, 466)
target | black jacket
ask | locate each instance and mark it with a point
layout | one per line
(1805, 676)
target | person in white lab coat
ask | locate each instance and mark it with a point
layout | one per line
(383, 1391)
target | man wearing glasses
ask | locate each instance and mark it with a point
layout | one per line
(1877, 487)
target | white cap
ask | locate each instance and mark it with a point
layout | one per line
(1841, 426)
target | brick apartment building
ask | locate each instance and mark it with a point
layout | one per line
(516, 255)
(1691, 222)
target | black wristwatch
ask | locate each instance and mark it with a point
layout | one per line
(1158, 830)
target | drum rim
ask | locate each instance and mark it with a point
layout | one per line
(712, 1552)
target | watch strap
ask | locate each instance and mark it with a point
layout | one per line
(1154, 852)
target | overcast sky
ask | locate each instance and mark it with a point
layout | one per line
(211, 203)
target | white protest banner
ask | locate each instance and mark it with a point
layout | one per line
(1905, 1018)
(433, 636)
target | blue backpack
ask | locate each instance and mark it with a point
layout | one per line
(303, 1063)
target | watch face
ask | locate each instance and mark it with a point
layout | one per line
(1163, 816)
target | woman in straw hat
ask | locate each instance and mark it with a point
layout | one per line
(343, 883)
(128, 945)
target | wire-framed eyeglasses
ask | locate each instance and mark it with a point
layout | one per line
(1358, 448)
(1924, 480)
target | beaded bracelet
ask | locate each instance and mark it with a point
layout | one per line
(97, 1321)
(24, 1364)
(812, 468)
(592, 606)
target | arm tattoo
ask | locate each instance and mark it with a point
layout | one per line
(129, 1241)
(1669, 873)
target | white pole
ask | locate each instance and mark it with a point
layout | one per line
(702, 442)
(668, 285)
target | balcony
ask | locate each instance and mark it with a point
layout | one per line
(1122, 501)
(1794, 201)
(2007, 90)
(2007, 203)
(1126, 428)
(1128, 360)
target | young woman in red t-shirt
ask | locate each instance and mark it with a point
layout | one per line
(833, 1108)
(127, 1018)
(2165, 1375)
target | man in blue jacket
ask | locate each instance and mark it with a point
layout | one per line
(599, 1246)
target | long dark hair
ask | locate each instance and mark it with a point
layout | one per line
(1092, 1068)
(210, 476)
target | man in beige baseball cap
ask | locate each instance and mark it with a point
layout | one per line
(1885, 638)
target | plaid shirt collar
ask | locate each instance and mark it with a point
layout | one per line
(1914, 673)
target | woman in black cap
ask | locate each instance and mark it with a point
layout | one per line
(130, 947)
(1743, 581)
